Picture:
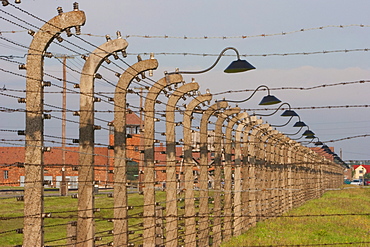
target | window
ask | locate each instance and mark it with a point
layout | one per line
(6, 174)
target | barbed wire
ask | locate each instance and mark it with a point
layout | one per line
(253, 55)
(205, 37)
(148, 184)
(225, 92)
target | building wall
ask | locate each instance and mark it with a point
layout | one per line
(359, 172)
(12, 164)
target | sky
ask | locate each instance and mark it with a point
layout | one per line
(292, 43)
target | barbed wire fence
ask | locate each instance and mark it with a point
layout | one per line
(221, 177)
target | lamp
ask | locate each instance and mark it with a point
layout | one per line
(310, 137)
(267, 100)
(270, 114)
(299, 124)
(289, 113)
(308, 133)
(318, 143)
(235, 67)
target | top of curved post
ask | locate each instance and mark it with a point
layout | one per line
(97, 57)
(180, 92)
(216, 106)
(229, 112)
(131, 72)
(54, 27)
(195, 102)
(158, 87)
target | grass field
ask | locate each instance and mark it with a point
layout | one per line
(63, 210)
(314, 224)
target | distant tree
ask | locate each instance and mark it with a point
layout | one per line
(132, 170)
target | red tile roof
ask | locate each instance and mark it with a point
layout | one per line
(132, 119)
(367, 167)
(320, 151)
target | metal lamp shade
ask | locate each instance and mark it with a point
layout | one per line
(289, 113)
(269, 100)
(239, 66)
(308, 133)
(319, 143)
(299, 124)
(325, 148)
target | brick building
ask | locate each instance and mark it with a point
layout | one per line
(12, 165)
(12, 160)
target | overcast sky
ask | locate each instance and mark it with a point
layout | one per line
(292, 43)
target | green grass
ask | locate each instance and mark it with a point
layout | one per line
(316, 230)
(280, 231)
(64, 210)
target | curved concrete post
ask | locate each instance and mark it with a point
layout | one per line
(85, 221)
(240, 180)
(297, 164)
(149, 178)
(321, 175)
(271, 175)
(285, 186)
(171, 181)
(317, 171)
(309, 172)
(190, 225)
(229, 209)
(250, 157)
(279, 175)
(271, 179)
(217, 208)
(120, 228)
(301, 176)
(317, 166)
(241, 156)
(33, 234)
(203, 173)
(291, 173)
(260, 154)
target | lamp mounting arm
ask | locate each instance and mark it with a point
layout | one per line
(295, 132)
(267, 115)
(212, 66)
(282, 125)
(254, 92)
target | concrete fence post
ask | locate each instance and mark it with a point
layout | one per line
(245, 147)
(171, 180)
(261, 168)
(34, 146)
(218, 144)
(190, 224)
(253, 183)
(149, 169)
(120, 228)
(203, 228)
(85, 221)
